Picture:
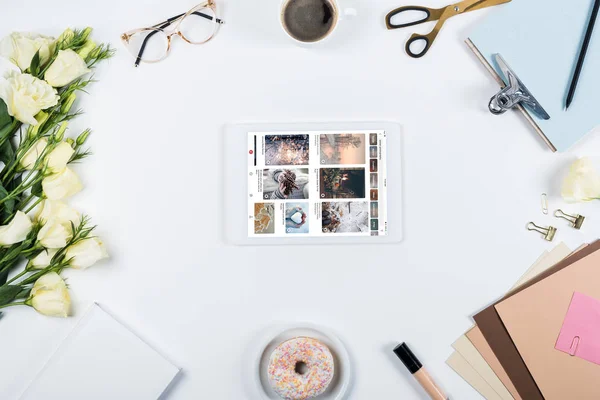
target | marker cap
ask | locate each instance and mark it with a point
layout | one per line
(408, 358)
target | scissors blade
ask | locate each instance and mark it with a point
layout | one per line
(472, 5)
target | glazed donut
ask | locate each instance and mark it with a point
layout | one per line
(300, 368)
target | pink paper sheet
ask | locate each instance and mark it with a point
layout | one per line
(580, 334)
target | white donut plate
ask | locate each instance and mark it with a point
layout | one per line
(340, 386)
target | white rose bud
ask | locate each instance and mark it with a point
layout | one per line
(583, 182)
(26, 95)
(33, 154)
(43, 259)
(67, 67)
(59, 157)
(54, 235)
(86, 253)
(49, 296)
(20, 48)
(57, 210)
(62, 185)
(16, 231)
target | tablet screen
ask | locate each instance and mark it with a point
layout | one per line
(317, 184)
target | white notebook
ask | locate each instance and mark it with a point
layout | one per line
(101, 359)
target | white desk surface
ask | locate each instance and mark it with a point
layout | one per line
(154, 186)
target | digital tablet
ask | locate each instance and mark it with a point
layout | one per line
(313, 183)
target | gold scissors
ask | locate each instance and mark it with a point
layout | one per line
(432, 14)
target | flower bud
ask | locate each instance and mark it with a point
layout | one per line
(86, 253)
(40, 117)
(95, 53)
(60, 134)
(87, 48)
(68, 103)
(59, 157)
(81, 139)
(62, 185)
(54, 234)
(49, 296)
(67, 67)
(30, 159)
(85, 33)
(65, 38)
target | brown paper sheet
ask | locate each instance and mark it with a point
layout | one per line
(476, 337)
(500, 342)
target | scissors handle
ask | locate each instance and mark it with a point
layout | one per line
(428, 39)
(431, 14)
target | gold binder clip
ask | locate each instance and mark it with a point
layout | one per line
(548, 232)
(575, 220)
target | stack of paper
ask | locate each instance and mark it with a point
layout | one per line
(474, 360)
(541, 340)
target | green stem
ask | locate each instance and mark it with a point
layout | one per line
(38, 201)
(22, 188)
(16, 277)
(24, 202)
(19, 303)
(34, 277)
(7, 133)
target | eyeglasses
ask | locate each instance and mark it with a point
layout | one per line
(153, 44)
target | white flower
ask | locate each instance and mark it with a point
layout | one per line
(33, 154)
(67, 67)
(582, 183)
(26, 95)
(54, 234)
(59, 157)
(16, 231)
(62, 185)
(20, 48)
(49, 296)
(43, 259)
(86, 253)
(57, 210)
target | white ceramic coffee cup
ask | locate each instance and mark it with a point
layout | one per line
(338, 12)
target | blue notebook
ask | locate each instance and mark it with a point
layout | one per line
(540, 40)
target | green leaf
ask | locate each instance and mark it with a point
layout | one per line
(5, 119)
(8, 205)
(9, 293)
(14, 183)
(7, 153)
(37, 189)
(23, 294)
(34, 68)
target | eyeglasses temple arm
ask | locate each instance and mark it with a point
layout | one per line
(163, 25)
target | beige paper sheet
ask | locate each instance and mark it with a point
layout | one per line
(490, 373)
(481, 345)
(466, 349)
(534, 318)
(472, 377)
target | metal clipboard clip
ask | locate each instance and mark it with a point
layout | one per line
(514, 93)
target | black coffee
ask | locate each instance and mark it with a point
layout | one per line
(309, 20)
